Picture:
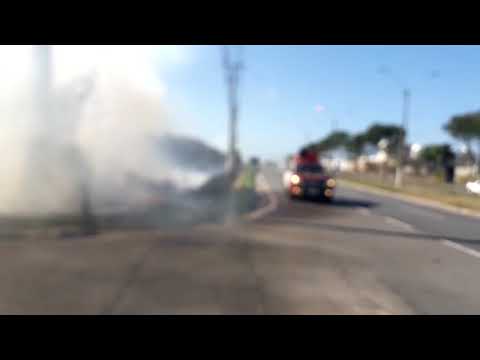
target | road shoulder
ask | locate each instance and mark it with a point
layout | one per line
(410, 199)
(268, 199)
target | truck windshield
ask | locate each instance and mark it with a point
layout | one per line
(310, 169)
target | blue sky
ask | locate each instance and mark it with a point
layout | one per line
(282, 85)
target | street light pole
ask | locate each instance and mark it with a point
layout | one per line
(407, 95)
(402, 141)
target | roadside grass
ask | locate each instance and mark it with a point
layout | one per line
(244, 194)
(215, 200)
(246, 180)
(23, 227)
(453, 195)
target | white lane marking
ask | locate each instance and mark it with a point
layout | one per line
(461, 248)
(364, 211)
(419, 209)
(395, 222)
(425, 212)
(264, 186)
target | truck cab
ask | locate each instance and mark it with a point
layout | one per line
(306, 178)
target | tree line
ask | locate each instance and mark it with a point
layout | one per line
(464, 127)
(356, 144)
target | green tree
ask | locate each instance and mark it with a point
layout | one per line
(433, 155)
(392, 133)
(439, 158)
(333, 141)
(463, 127)
(356, 144)
(466, 128)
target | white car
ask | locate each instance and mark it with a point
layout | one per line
(473, 187)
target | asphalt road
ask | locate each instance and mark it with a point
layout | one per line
(363, 254)
(462, 229)
(420, 254)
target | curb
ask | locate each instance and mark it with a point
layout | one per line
(264, 188)
(413, 199)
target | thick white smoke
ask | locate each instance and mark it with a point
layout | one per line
(106, 104)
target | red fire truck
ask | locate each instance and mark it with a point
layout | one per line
(306, 178)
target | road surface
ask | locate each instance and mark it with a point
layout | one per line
(429, 258)
(363, 254)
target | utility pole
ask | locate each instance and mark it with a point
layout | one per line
(50, 145)
(40, 148)
(233, 65)
(402, 141)
(42, 87)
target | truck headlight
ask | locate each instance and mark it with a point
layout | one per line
(331, 183)
(295, 179)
